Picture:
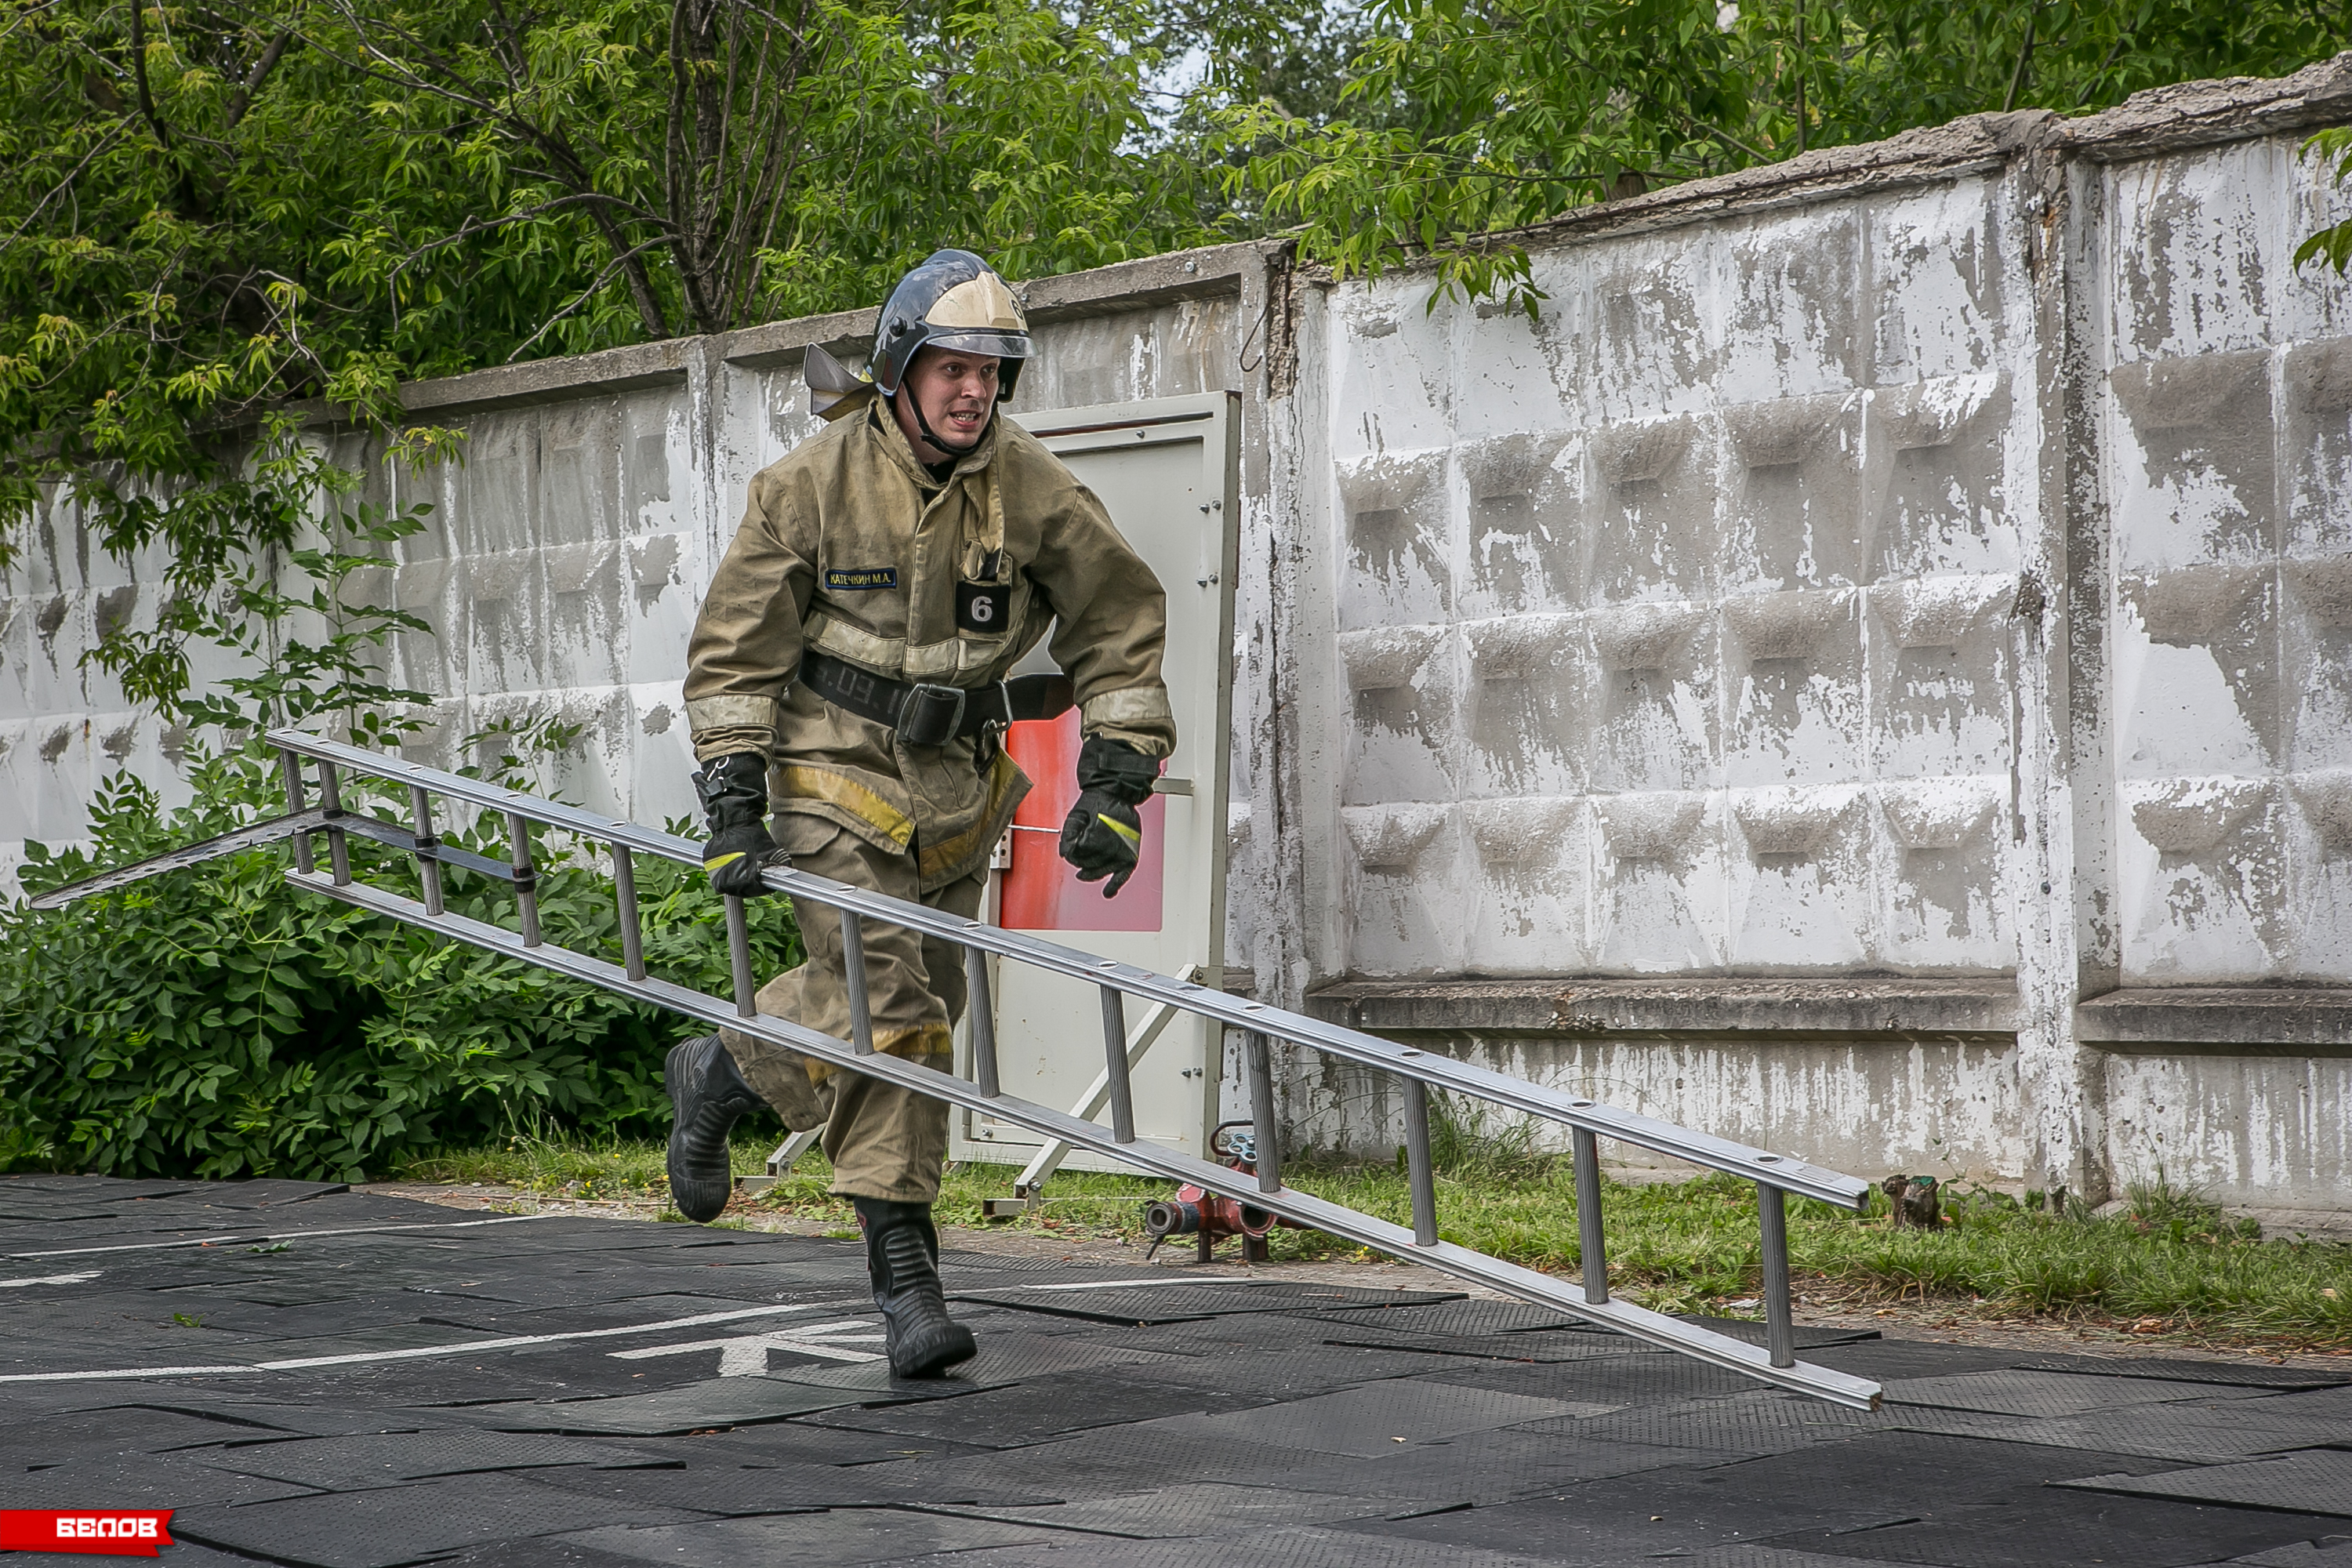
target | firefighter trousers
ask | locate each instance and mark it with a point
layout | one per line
(884, 1142)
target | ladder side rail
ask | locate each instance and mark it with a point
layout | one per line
(1783, 1173)
(1527, 1284)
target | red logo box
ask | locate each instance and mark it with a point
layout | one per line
(102, 1532)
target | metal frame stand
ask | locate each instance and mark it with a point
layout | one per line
(1028, 1188)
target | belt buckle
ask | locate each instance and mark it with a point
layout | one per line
(933, 715)
(995, 728)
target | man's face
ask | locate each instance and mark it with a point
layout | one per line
(956, 392)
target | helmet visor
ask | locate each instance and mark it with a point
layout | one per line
(976, 340)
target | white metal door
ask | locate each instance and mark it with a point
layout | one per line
(1167, 470)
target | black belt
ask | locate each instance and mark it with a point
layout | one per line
(928, 715)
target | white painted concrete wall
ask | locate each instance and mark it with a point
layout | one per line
(1675, 630)
(1913, 580)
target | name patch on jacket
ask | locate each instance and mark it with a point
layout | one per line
(983, 606)
(857, 579)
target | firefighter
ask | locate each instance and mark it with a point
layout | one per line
(847, 673)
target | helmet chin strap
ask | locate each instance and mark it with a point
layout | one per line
(941, 442)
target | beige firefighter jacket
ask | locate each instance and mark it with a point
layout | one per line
(849, 545)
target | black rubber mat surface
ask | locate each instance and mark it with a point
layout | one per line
(1041, 1411)
(716, 1402)
(1512, 1347)
(1668, 1510)
(406, 1384)
(393, 1525)
(1456, 1319)
(814, 1540)
(182, 1554)
(1118, 1460)
(1011, 1349)
(1200, 1508)
(874, 1384)
(1882, 1358)
(1285, 1374)
(2318, 1481)
(2318, 1402)
(2050, 1394)
(1640, 1376)
(542, 1552)
(1482, 1468)
(2135, 1532)
(2217, 1434)
(134, 1480)
(349, 1464)
(1371, 1418)
(738, 1491)
(2247, 1374)
(1302, 1546)
(1733, 1425)
(1206, 1336)
(1632, 1518)
(1753, 1556)
(1182, 1301)
(1805, 1337)
(46, 1440)
(2334, 1552)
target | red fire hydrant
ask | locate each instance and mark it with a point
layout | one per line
(1206, 1215)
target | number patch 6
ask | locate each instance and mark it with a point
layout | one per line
(983, 606)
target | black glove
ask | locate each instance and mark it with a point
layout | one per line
(1103, 837)
(734, 792)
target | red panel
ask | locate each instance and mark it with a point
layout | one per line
(1041, 890)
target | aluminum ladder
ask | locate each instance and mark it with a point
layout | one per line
(1775, 1175)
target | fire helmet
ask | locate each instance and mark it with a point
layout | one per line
(953, 300)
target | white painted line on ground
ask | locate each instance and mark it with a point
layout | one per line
(284, 1236)
(419, 1352)
(746, 1355)
(88, 1274)
(1141, 1283)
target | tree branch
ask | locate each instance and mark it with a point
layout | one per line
(242, 99)
(2019, 77)
(570, 169)
(585, 296)
(101, 146)
(139, 72)
(2091, 89)
(25, 17)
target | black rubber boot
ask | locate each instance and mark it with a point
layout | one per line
(902, 1259)
(706, 1095)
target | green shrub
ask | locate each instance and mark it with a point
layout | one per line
(217, 1021)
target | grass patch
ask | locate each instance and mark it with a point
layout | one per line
(558, 1167)
(1087, 1203)
(2171, 1263)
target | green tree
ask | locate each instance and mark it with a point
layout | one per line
(208, 210)
(1466, 118)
